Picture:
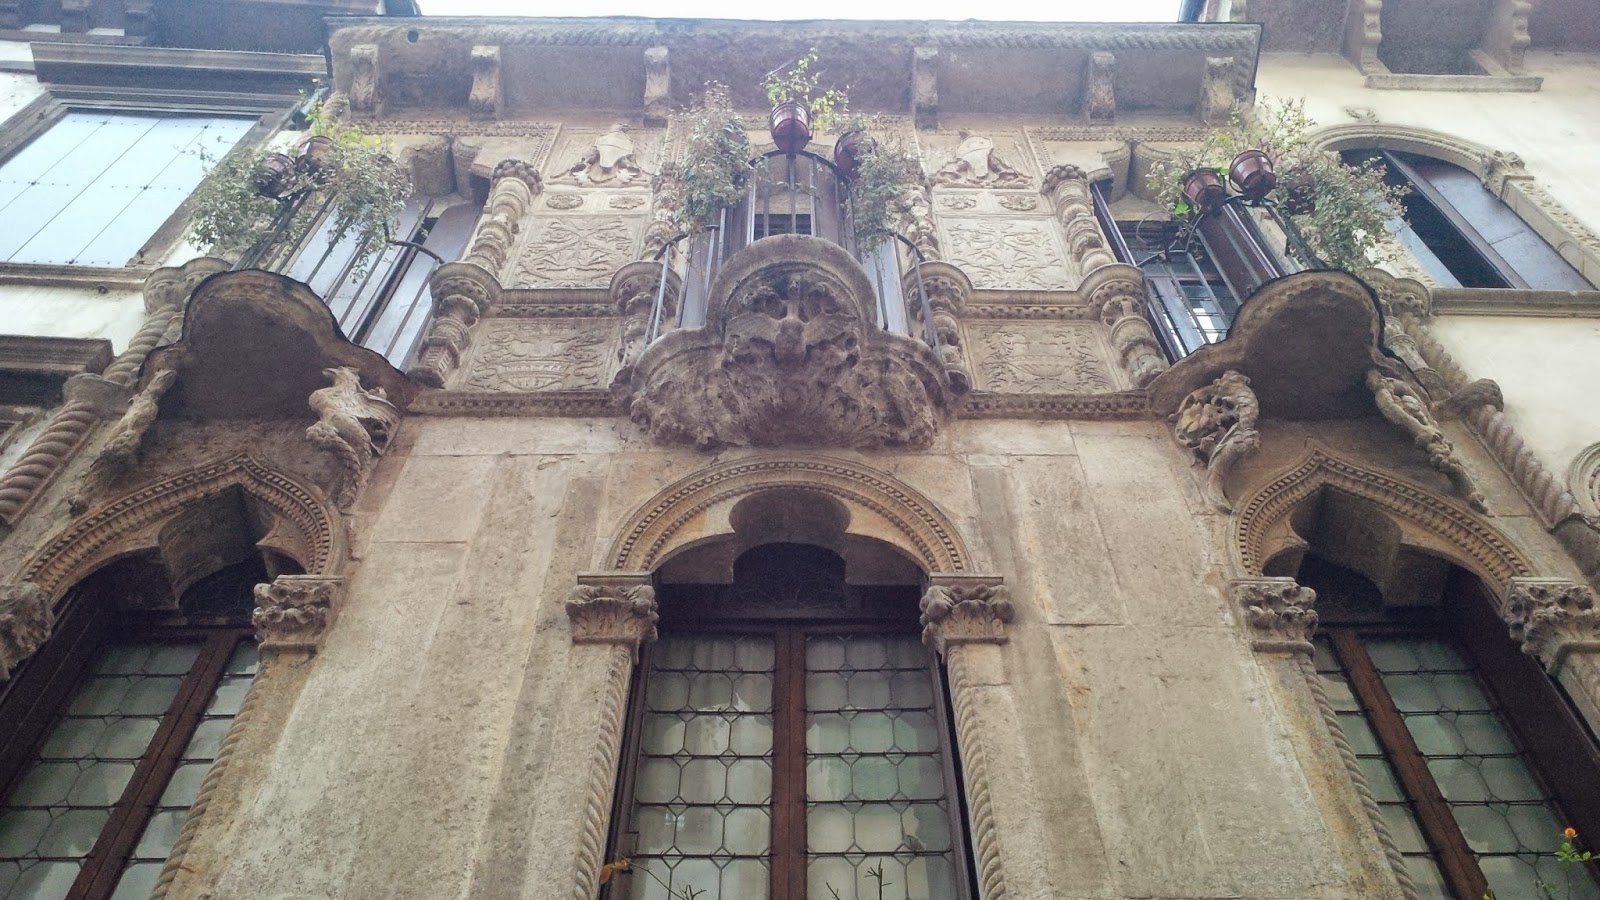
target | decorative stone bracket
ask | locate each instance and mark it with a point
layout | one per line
(1217, 423)
(1279, 612)
(293, 612)
(965, 609)
(25, 622)
(1406, 409)
(354, 425)
(617, 609)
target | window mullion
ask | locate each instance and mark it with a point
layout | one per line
(1456, 859)
(102, 868)
(789, 768)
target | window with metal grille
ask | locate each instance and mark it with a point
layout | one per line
(787, 741)
(1192, 302)
(96, 185)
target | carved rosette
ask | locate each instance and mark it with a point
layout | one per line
(789, 355)
(1217, 424)
(624, 615)
(1116, 297)
(947, 288)
(634, 290)
(965, 612)
(1551, 618)
(1279, 612)
(25, 622)
(293, 612)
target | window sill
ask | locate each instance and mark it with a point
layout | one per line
(1462, 83)
(1515, 302)
(103, 279)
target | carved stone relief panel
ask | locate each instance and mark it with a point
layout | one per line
(1020, 254)
(966, 159)
(541, 355)
(574, 251)
(1041, 358)
(618, 156)
(1000, 203)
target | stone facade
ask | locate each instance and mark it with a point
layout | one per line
(476, 550)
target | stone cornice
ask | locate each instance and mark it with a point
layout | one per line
(102, 280)
(75, 63)
(1493, 302)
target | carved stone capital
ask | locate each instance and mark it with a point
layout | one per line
(965, 610)
(1217, 425)
(1279, 612)
(293, 612)
(25, 622)
(613, 609)
(1551, 618)
(520, 170)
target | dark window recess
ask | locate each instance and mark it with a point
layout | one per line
(1464, 235)
(768, 224)
(1190, 302)
(108, 731)
(1475, 758)
(384, 302)
(96, 185)
(788, 732)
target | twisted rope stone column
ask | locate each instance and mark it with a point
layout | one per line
(616, 613)
(1282, 620)
(292, 615)
(959, 617)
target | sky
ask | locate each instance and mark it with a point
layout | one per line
(1035, 11)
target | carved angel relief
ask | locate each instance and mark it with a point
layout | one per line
(354, 425)
(1217, 424)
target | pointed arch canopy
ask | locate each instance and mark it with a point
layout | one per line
(1427, 520)
(881, 506)
(302, 526)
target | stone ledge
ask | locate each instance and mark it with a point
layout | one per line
(1515, 302)
(102, 279)
(1459, 83)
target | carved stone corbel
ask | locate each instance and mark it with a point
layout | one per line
(1279, 612)
(121, 450)
(925, 87)
(487, 95)
(1507, 39)
(1099, 89)
(1217, 423)
(965, 611)
(1406, 409)
(354, 425)
(25, 622)
(657, 85)
(1216, 91)
(1551, 618)
(616, 611)
(363, 91)
(293, 612)
(947, 288)
(1363, 34)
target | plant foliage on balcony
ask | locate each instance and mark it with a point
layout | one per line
(1354, 208)
(798, 83)
(367, 187)
(887, 171)
(714, 173)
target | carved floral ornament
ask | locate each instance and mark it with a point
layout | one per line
(1551, 618)
(968, 610)
(1217, 424)
(26, 618)
(1279, 612)
(616, 610)
(293, 612)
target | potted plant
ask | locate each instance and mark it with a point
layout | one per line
(256, 195)
(883, 167)
(1343, 211)
(799, 106)
(714, 173)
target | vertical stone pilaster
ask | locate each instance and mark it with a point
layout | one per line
(947, 288)
(964, 618)
(611, 615)
(1281, 618)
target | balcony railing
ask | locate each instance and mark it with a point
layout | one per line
(804, 194)
(378, 295)
(1199, 273)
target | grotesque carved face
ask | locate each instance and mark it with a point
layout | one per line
(792, 322)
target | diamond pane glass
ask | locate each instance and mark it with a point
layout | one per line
(703, 789)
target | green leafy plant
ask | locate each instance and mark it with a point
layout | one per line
(1353, 205)
(367, 189)
(798, 82)
(887, 167)
(715, 170)
(1575, 861)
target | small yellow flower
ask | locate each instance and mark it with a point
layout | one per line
(612, 868)
(1570, 833)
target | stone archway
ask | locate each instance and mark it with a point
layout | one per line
(1262, 528)
(301, 528)
(889, 510)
